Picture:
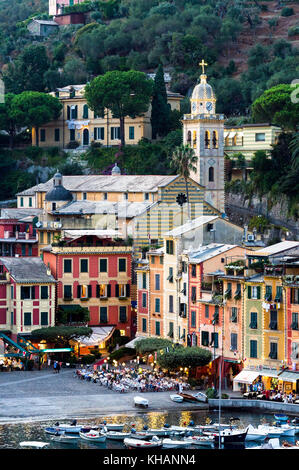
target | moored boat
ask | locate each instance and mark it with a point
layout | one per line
(255, 434)
(281, 417)
(177, 398)
(112, 426)
(131, 443)
(140, 401)
(174, 444)
(117, 435)
(33, 444)
(93, 436)
(65, 439)
(201, 441)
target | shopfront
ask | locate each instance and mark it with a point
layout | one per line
(289, 381)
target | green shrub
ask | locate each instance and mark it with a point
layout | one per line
(287, 11)
(211, 393)
(88, 359)
(293, 31)
(73, 144)
(122, 352)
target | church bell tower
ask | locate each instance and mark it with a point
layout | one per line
(203, 131)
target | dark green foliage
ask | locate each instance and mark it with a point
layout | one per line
(122, 352)
(150, 345)
(184, 357)
(287, 11)
(61, 335)
(276, 106)
(123, 93)
(160, 116)
(27, 71)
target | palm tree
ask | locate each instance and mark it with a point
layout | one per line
(184, 161)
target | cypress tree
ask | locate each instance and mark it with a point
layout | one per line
(160, 108)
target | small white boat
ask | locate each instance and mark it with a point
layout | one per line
(271, 431)
(173, 444)
(112, 426)
(140, 444)
(140, 401)
(64, 438)
(255, 434)
(201, 397)
(288, 430)
(201, 441)
(177, 398)
(117, 435)
(182, 429)
(93, 436)
(33, 444)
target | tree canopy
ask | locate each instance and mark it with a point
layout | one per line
(184, 357)
(150, 345)
(33, 109)
(277, 107)
(61, 335)
(124, 93)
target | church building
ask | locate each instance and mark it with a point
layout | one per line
(203, 130)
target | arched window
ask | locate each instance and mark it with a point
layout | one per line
(194, 138)
(211, 173)
(189, 137)
(207, 139)
(215, 139)
(85, 111)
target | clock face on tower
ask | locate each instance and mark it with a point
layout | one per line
(209, 105)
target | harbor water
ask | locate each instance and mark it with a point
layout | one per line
(12, 434)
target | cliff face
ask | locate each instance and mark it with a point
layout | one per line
(240, 209)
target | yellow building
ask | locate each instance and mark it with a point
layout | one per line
(77, 123)
(249, 138)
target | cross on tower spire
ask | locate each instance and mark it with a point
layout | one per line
(203, 64)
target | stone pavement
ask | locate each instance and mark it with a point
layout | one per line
(41, 395)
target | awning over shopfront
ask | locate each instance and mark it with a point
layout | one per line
(245, 377)
(132, 343)
(289, 376)
(99, 335)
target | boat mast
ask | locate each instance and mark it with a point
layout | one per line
(219, 418)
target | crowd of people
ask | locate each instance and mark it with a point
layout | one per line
(7, 364)
(258, 390)
(130, 379)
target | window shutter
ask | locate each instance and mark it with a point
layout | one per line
(109, 290)
(68, 112)
(98, 290)
(111, 133)
(116, 290)
(89, 291)
(249, 292)
(128, 290)
(102, 133)
(95, 133)
(79, 291)
(258, 290)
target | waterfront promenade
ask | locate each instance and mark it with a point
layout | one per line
(43, 395)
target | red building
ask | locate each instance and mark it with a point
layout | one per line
(18, 233)
(94, 272)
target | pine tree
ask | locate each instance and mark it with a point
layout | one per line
(160, 108)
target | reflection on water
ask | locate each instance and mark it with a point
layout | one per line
(12, 434)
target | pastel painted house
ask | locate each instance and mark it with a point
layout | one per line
(27, 296)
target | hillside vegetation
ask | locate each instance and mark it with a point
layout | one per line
(248, 45)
